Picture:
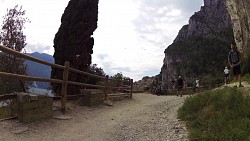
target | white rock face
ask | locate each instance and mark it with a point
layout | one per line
(239, 11)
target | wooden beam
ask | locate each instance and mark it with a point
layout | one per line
(85, 73)
(123, 94)
(84, 84)
(18, 54)
(8, 96)
(131, 88)
(28, 78)
(68, 96)
(64, 87)
(106, 87)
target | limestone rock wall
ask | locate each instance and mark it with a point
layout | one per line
(239, 11)
(144, 84)
(212, 18)
(169, 73)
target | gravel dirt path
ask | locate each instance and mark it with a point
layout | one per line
(144, 118)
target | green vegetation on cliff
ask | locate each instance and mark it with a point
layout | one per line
(203, 57)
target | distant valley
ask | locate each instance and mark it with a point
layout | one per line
(39, 70)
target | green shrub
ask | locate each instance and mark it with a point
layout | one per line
(221, 115)
(246, 78)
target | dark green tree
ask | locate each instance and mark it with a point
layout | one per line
(93, 69)
(119, 77)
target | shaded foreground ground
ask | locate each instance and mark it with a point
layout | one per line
(144, 118)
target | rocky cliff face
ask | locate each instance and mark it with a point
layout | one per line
(239, 11)
(201, 47)
(144, 85)
(73, 41)
(212, 18)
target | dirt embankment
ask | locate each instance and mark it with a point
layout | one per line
(144, 118)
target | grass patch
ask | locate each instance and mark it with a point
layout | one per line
(219, 115)
(246, 78)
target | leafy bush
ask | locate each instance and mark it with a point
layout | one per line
(221, 115)
(246, 78)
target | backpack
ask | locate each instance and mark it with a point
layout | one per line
(234, 57)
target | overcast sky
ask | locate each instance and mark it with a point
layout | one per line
(131, 36)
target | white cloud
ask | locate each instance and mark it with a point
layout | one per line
(44, 15)
(37, 47)
(174, 13)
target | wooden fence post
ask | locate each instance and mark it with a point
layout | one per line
(64, 86)
(131, 88)
(106, 87)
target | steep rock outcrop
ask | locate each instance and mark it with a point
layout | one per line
(145, 84)
(212, 18)
(73, 41)
(201, 47)
(239, 11)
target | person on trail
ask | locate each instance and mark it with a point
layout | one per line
(197, 85)
(226, 72)
(179, 86)
(234, 60)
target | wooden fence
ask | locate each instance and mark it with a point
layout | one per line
(66, 69)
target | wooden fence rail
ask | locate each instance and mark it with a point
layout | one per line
(66, 69)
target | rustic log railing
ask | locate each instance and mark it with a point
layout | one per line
(64, 81)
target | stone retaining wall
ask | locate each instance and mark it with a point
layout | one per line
(33, 107)
(92, 97)
(27, 107)
(5, 112)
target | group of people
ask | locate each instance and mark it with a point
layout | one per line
(180, 85)
(234, 61)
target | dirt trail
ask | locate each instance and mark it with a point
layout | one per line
(144, 118)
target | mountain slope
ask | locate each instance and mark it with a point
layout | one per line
(39, 70)
(201, 47)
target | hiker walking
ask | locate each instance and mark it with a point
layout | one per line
(197, 85)
(173, 84)
(234, 60)
(226, 72)
(179, 86)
